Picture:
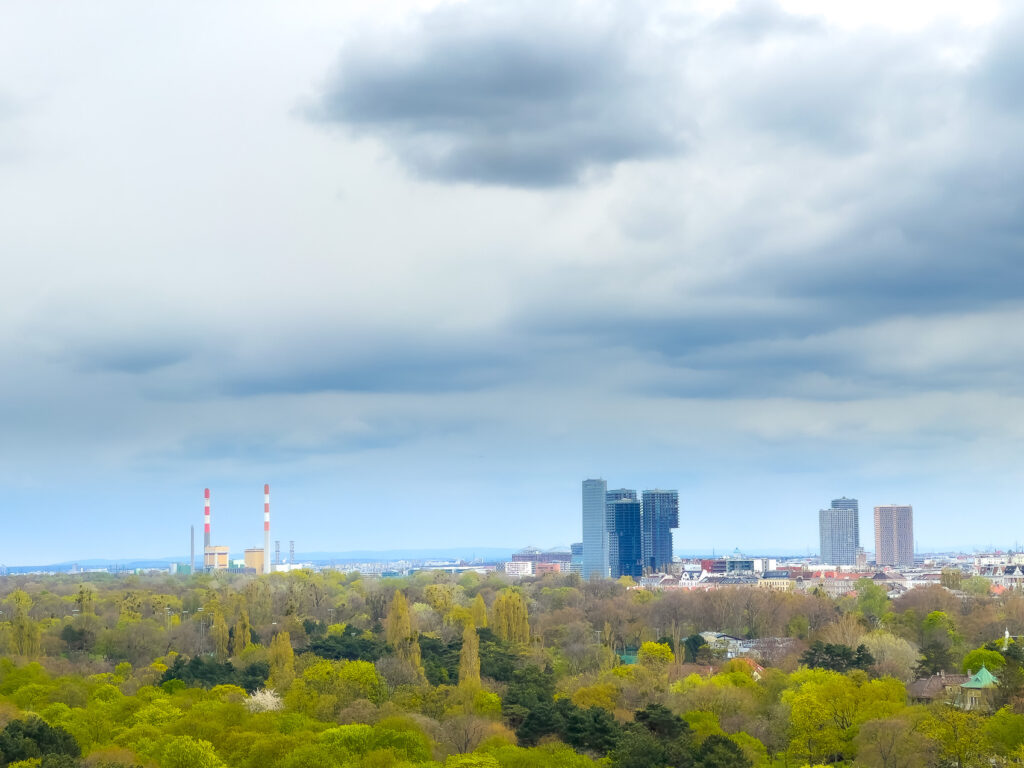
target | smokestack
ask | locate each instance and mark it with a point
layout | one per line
(291, 553)
(277, 552)
(206, 520)
(192, 547)
(266, 529)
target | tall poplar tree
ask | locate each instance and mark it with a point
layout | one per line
(282, 662)
(243, 634)
(400, 634)
(511, 618)
(478, 609)
(469, 657)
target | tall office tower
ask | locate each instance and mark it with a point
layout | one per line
(627, 538)
(894, 535)
(611, 497)
(595, 530)
(839, 532)
(660, 514)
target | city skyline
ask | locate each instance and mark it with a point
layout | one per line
(435, 259)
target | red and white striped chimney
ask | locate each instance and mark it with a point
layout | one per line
(206, 520)
(266, 528)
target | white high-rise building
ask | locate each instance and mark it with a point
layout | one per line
(595, 530)
(839, 531)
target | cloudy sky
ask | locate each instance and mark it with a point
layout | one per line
(425, 266)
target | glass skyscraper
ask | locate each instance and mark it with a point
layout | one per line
(627, 538)
(660, 515)
(595, 530)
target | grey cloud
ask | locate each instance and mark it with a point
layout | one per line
(391, 367)
(138, 356)
(507, 94)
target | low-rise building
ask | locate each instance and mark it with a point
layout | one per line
(517, 569)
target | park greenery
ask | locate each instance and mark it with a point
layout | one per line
(332, 669)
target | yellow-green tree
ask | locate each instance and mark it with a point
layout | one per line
(84, 600)
(186, 752)
(400, 634)
(242, 637)
(511, 618)
(219, 633)
(24, 630)
(478, 609)
(657, 656)
(282, 662)
(469, 657)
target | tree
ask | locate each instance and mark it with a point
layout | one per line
(511, 619)
(692, 647)
(186, 752)
(836, 657)
(34, 738)
(991, 660)
(242, 636)
(872, 600)
(656, 656)
(24, 631)
(282, 662)
(892, 743)
(400, 634)
(960, 735)
(478, 610)
(220, 634)
(977, 585)
(721, 752)
(469, 657)
(893, 655)
(951, 578)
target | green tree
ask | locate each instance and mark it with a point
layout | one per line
(241, 638)
(282, 662)
(469, 657)
(960, 735)
(951, 578)
(720, 752)
(893, 743)
(511, 618)
(34, 738)
(692, 647)
(872, 600)
(187, 752)
(992, 660)
(220, 634)
(24, 630)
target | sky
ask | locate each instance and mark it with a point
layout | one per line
(426, 266)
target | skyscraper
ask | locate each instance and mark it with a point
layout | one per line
(595, 530)
(894, 535)
(611, 497)
(627, 538)
(839, 531)
(660, 515)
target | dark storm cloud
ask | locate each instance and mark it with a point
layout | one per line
(507, 94)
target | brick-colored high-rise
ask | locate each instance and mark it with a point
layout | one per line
(894, 535)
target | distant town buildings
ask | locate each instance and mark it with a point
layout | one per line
(839, 532)
(894, 535)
